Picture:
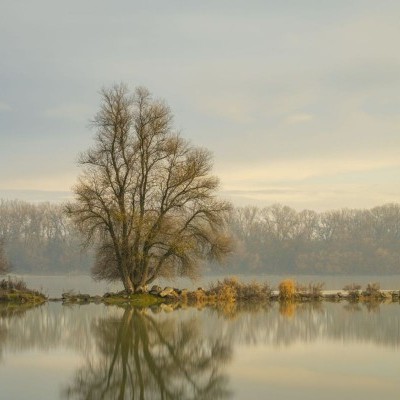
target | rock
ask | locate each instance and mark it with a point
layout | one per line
(156, 289)
(167, 290)
(107, 295)
(172, 295)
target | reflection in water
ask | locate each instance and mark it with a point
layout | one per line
(138, 356)
(184, 354)
(284, 324)
(287, 308)
(8, 312)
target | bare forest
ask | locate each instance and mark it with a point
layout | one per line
(40, 239)
(278, 239)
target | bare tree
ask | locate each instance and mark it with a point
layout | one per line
(4, 264)
(146, 195)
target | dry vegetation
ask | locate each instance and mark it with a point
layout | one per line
(231, 289)
(287, 289)
(15, 291)
(230, 295)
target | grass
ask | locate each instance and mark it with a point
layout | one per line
(21, 297)
(16, 292)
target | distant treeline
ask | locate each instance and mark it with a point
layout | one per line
(40, 239)
(278, 239)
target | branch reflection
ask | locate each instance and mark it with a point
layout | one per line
(140, 356)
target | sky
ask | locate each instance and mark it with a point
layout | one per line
(298, 100)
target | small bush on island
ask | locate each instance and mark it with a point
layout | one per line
(353, 290)
(231, 289)
(287, 289)
(313, 289)
(372, 290)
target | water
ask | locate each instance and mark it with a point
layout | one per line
(307, 351)
(54, 286)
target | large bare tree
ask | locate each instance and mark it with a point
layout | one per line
(146, 195)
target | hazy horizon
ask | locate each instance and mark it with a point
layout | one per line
(299, 103)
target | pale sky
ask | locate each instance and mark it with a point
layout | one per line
(299, 101)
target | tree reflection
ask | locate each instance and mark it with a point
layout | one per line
(140, 356)
(7, 313)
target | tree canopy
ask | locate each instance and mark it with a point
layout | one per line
(145, 195)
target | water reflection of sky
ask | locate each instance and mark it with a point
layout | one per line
(322, 369)
(37, 374)
(298, 351)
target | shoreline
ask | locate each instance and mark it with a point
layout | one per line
(230, 290)
(202, 297)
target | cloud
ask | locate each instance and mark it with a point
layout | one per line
(317, 197)
(241, 175)
(316, 183)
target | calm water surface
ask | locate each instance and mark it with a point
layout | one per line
(308, 351)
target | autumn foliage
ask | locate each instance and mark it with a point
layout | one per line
(287, 289)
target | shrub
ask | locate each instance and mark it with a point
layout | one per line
(287, 289)
(9, 284)
(231, 289)
(253, 291)
(312, 289)
(353, 289)
(196, 297)
(225, 290)
(373, 289)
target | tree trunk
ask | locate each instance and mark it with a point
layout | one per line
(128, 285)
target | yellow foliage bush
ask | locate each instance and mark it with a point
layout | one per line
(287, 289)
